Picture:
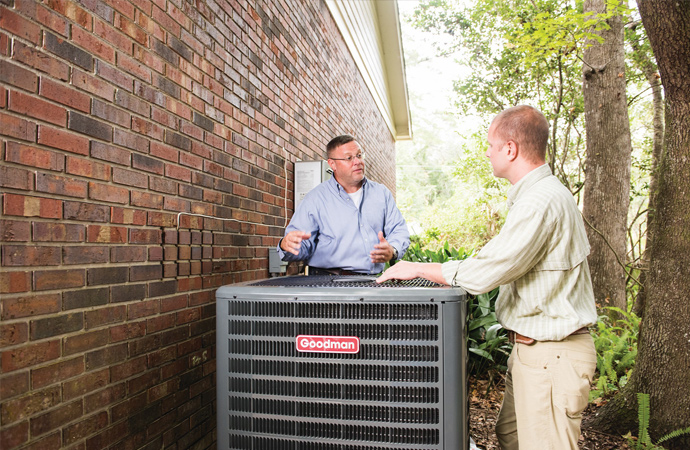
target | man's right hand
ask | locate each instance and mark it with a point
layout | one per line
(293, 241)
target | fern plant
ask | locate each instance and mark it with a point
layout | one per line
(616, 345)
(644, 441)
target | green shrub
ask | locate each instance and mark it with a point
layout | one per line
(644, 441)
(487, 341)
(616, 346)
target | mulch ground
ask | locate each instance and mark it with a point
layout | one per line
(485, 401)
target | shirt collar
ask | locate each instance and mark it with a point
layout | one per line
(340, 188)
(527, 182)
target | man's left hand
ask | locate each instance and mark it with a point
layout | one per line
(383, 251)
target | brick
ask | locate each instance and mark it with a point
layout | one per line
(143, 309)
(92, 85)
(71, 11)
(108, 193)
(143, 382)
(166, 152)
(28, 155)
(128, 254)
(30, 355)
(147, 128)
(130, 178)
(178, 140)
(107, 275)
(17, 127)
(202, 121)
(178, 173)
(93, 45)
(54, 184)
(86, 212)
(132, 103)
(58, 279)
(87, 168)
(128, 293)
(85, 255)
(131, 141)
(30, 404)
(134, 67)
(111, 114)
(14, 436)
(128, 331)
(56, 418)
(110, 153)
(104, 316)
(12, 385)
(155, 254)
(146, 272)
(91, 127)
(16, 178)
(23, 255)
(128, 216)
(107, 356)
(29, 305)
(86, 383)
(63, 140)
(17, 76)
(112, 35)
(19, 26)
(52, 20)
(37, 108)
(58, 232)
(127, 369)
(109, 396)
(145, 345)
(145, 236)
(15, 231)
(54, 373)
(56, 325)
(85, 298)
(68, 51)
(163, 185)
(98, 233)
(65, 94)
(85, 427)
(20, 205)
(13, 334)
(146, 200)
(84, 342)
(147, 164)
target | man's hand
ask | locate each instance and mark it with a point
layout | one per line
(293, 241)
(383, 251)
(403, 270)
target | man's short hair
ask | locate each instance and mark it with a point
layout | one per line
(527, 127)
(337, 142)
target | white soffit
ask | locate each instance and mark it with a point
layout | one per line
(371, 31)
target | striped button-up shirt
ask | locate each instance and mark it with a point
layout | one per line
(539, 260)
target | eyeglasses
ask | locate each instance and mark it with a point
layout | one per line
(351, 158)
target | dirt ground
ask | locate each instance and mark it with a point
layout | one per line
(485, 401)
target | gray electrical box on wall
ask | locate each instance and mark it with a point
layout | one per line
(309, 174)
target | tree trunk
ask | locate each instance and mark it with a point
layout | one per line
(607, 170)
(663, 362)
(651, 73)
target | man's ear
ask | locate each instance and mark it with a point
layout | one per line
(511, 150)
(331, 164)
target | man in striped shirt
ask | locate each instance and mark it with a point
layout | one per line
(539, 260)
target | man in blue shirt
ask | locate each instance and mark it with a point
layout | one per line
(348, 224)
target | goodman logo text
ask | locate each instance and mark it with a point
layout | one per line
(327, 344)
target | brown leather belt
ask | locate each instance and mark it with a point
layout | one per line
(320, 271)
(520, 339)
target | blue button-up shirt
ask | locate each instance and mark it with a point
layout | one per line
(342, 235)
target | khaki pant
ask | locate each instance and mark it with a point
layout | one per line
(547, 388)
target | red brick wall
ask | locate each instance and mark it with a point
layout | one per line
(115, 116)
